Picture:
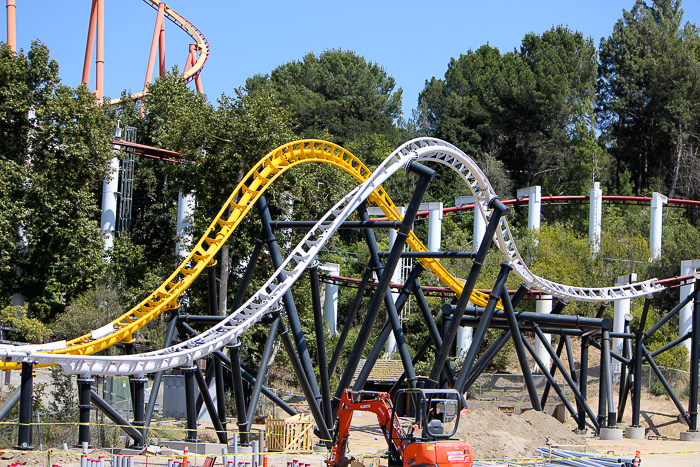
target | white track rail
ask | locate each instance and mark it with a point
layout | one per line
(268, 298)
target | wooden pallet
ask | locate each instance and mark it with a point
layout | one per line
(291, 434)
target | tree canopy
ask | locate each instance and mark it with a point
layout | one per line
(531, 108)
(338, 93)
(53, 154)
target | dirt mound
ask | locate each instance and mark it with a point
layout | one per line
(495, 435)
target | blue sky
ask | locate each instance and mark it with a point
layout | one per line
(412, 40)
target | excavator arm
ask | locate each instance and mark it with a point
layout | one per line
(382, 407)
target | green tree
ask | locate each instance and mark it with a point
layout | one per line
(649, 86)
(338, 92)
(531, 108)
(54, 156)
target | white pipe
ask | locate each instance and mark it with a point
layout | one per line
(479, 221)
(464, 340)
(534, 205)
(595, 217)
(185, 212)
(543, 306)
(657, 221)
(621, 310)
(330, 303)
(434, 224)
(685, 317)
(110, 189)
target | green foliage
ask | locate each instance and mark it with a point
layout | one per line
(648, 87)
(49, 165)
(31, 329)
(338, 92)
(531, 109)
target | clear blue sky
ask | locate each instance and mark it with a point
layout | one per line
(412, 40)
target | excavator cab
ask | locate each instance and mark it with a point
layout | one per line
(428, 414)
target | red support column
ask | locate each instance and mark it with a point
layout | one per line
(100, 59)
(161, 48)
(154, 44)
(188, 63)
(11, 25)
(90, 43)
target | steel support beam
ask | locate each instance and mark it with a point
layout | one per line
(84, 406)
(385, 278)
(292, 315)
(321, 345)
(498, 210)
(24, 432)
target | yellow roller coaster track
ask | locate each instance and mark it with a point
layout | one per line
(241, 201)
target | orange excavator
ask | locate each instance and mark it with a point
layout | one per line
(423, 440)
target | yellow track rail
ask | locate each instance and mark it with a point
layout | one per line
(243, 198)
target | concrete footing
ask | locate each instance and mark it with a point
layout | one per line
(690, 436)
(635, 432)
(611, 434)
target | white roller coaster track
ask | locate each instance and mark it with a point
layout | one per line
(268, 298)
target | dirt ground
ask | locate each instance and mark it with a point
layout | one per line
(492, 434)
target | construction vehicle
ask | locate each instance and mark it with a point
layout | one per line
(423, 440)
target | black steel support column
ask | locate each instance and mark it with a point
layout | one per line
(10, 403)
(84, 406)
(218, 368)
(211, 289)
(24, 435)
(583, 385)
(386, 330)
(694, 362)
(391, 308)
(292, 315)
(350, 318)
(220, 392)
(432, 329)
(481, 329)
(139, 385)
(602, 391)
(158, 378)
(189, 404)
(498, 210)
(211, 408)
(664, 382)
(321, 344)
(208, 378)
(553, 371)
(248, 274)
(324, 434)
(385, 280)
(237, 385)
(625, 375)
(565, 374)
(262, 370)
(637, 365)
(113, 415)
(551, 380)
(519, 347)
(605, 356)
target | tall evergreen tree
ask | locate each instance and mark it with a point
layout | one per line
(530, 109)
(649, 86)
(338, 94)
